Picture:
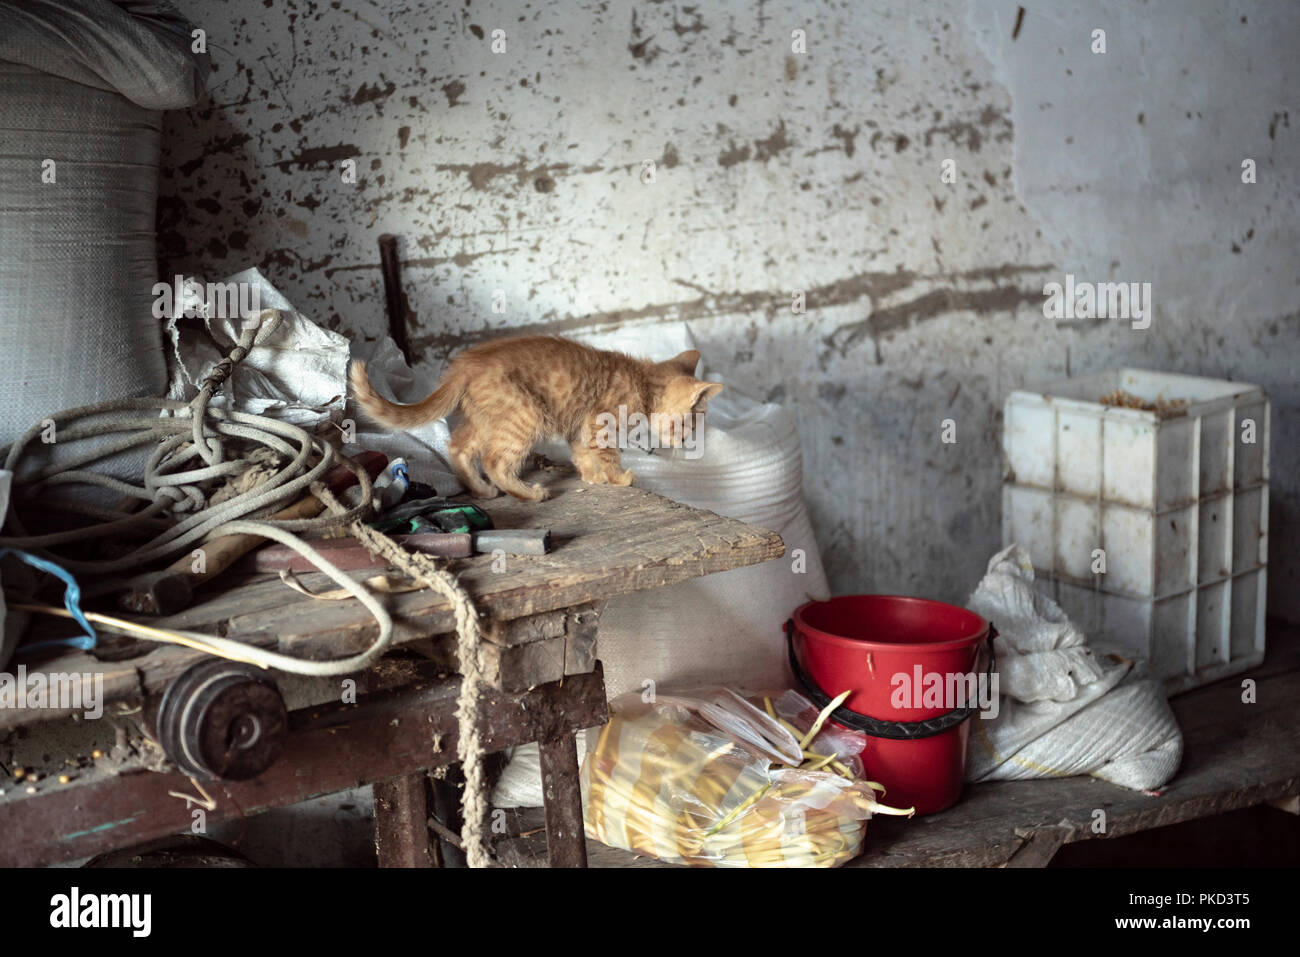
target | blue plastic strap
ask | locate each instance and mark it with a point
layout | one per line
(71, 601)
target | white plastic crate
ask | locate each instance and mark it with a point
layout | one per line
(1178, 504)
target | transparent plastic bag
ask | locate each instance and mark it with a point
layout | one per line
(846, 744)
(708, 778)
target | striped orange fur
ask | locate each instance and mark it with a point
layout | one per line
(513, 393)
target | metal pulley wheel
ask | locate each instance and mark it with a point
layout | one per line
(221, 720)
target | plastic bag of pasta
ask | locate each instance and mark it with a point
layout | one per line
(711, 779)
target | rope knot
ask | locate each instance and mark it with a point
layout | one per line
(219, 374)
(183, 498)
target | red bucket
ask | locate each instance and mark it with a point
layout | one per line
(884, 648)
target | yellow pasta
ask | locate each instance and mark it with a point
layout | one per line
(681, 791)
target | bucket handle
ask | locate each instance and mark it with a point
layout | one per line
(878, 727)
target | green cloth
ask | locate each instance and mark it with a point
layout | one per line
(432, 515)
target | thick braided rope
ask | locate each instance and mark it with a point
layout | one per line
(469, 744)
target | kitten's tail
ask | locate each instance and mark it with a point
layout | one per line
(436, 406)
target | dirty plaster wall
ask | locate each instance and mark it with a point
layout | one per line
(520, 175)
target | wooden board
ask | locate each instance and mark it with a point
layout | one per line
(330, 748)
(607, 541)
(517, 654)
(1236, 755)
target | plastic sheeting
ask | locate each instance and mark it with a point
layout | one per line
(298, 375)
(726, 627)
(424, 447)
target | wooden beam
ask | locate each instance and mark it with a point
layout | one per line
(519, 654)
(330, 748)
(566, 842)
(401, 831)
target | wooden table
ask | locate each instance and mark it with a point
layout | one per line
(538, 657)
(1235, 755)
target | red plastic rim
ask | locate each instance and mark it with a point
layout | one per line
(880, 614)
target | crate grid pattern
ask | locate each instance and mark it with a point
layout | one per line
(1182, 518)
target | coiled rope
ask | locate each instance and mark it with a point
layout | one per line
(190, 440)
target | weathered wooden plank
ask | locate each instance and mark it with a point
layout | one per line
(401, 834)
(1235, 755)
(519, 654)
(580, 639)
(608, 541)
(566, 843)
(330, 748)
(1041, 844)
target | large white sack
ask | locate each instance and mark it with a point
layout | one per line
(83, 84)
(1063, 710)
(725, 628)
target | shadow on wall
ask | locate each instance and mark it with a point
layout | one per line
(220, 182)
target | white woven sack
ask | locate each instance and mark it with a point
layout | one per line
(724, 628)
(1063, 711)
(83, 84)
(727, 627)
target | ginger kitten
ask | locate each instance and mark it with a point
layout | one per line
(513, 393)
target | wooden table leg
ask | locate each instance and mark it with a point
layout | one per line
(566, 842)
(448, 786)
(401, 829)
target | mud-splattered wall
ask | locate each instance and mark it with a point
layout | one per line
(520, 174)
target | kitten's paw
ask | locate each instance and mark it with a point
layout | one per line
(536, 493)
(623, 478)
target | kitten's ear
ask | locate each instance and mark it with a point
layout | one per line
(703, 392)
(684, 362)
